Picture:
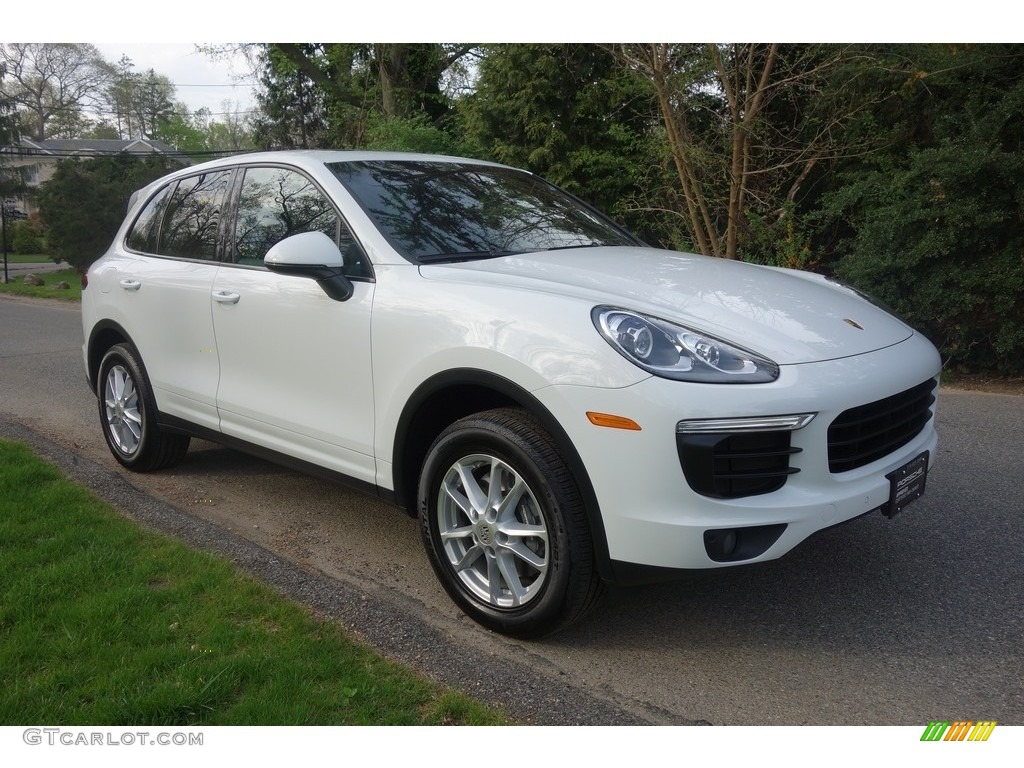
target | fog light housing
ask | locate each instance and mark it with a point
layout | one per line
(731, 545)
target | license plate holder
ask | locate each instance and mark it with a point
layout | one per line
(906, 484)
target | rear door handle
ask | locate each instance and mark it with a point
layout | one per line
(131, 285)
(226, 297)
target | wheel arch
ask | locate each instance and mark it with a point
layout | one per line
(451, 395)
(103, 336)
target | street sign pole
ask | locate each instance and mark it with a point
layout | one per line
(3, 233)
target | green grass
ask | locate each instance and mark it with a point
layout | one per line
(103, 623)
(48, 291)
(27, 258)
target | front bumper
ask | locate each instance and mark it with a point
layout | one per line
(653, 517)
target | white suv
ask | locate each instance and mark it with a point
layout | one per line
(561, 405)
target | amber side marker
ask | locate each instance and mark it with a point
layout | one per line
(611, 420)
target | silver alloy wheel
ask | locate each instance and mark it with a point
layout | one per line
(493, 531)
(121, 401)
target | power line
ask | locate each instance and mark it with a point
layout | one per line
(93, 154)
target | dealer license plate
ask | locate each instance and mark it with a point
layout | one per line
(906, 484)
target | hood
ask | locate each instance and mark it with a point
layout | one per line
(790, 316)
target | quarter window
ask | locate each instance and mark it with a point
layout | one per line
(146, 229)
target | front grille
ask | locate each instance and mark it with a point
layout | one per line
(730, 466)
(866, 433)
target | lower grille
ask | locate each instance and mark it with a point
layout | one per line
(730, 466)
(869, 432)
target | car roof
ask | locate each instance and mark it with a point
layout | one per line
(313, 159)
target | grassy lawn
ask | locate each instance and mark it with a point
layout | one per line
(102, 623)
(47, 291)
(27, 258)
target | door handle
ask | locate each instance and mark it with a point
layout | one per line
(131, 285)
(226, 297)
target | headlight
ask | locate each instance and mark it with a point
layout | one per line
(676, 352)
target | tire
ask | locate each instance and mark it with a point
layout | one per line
(128, 414)
(516, 557)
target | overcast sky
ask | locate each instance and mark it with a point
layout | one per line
(198, 79)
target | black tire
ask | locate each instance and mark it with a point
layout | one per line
(128, 414)
(527, 569)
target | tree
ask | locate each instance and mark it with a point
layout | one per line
(935, 225)
(8, 115)
(325, 94)
(567, 112)
(85, 202)
(10, 180)
(199, 133)
(746, 125)
(139, 101)
(52, 83)
(292, 110)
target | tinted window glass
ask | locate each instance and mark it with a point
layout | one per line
(433, 211)
(193, 214)
(275, 203)
(146, 229)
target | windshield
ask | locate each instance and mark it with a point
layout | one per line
(439, 211)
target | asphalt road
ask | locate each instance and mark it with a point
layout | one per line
(14, 269)
(876, 622)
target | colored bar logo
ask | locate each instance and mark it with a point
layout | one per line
(960, 730)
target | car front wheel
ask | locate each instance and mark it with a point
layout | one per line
(128, 414)
(504, 525)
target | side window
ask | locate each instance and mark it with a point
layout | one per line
(275, 203)
(192, 218)
(146, 229)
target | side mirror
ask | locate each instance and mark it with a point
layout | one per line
(313, 255)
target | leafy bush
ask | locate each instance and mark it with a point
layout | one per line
(940, 239)
(26, 238)
(86, 200)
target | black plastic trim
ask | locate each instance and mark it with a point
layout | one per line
(734, 465)
(868, 432)
(734, 545)
(183, 426)
(332, 280)
(93, 364)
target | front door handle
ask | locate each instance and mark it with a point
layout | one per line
(131, 285)
(226, 297)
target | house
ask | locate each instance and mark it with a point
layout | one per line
(37, 160)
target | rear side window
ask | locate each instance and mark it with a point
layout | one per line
(191, 221)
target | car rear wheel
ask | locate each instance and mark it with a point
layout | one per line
(128, 414)
(504, 525)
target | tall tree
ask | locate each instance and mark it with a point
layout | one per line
(746, 125)
(8, 114)
(51, 83)
(318, 94)
(138, 100)
(565, 111)
(292, 108)
(10, 178)
(934, 225)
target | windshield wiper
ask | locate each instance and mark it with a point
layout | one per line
(436, 258)
(578, 245)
